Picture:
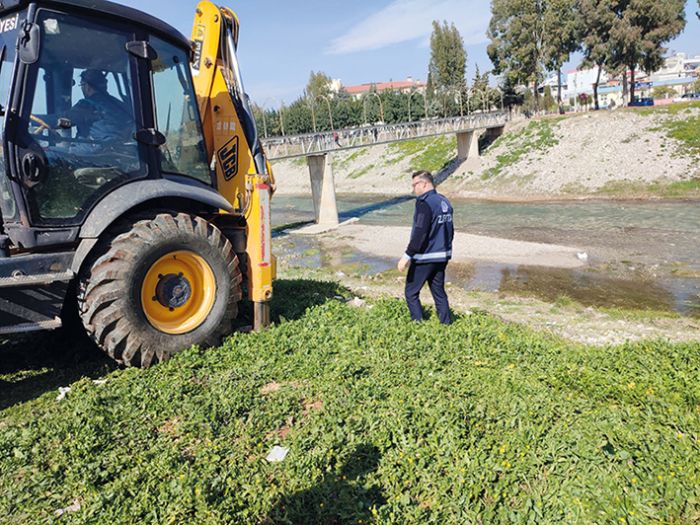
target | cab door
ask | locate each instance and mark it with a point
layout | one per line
(75, 139)
(9, 30)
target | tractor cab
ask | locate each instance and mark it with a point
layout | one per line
(92, 100)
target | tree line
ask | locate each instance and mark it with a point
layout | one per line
(530, 38)
(447, 94)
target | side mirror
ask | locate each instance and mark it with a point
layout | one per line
(29, 43)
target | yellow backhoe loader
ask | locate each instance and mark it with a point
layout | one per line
(134, 192)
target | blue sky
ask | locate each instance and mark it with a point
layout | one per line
(361, 41)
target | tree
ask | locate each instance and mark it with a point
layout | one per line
(563, 26)
(448, 63)
(583, 100)
(481, 82)
(448, 59)
(517, 35)
(479, 89)
(641, 29)
(664, 92)
(511, 96)
(319, 84)
(598, 18)
(549, 102)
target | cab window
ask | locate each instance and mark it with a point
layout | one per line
(177, 115)
(82, 116)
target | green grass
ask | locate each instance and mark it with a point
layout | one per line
(687, 132)
(671, 109)
(538, 136)
(356, 174)
(680, 122)
(432, 154)
(352, 157)
(386, 421)
(688, 189)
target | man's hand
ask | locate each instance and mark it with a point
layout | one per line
(403, 264)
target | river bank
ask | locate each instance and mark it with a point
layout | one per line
(649, 153)
(563, 317)
(624, 260)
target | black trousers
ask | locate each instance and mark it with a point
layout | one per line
(434, 275)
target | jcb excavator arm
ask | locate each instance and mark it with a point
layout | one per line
(243, 175)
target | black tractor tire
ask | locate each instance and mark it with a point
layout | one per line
(110, 287)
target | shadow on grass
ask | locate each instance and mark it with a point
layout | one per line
(342, 497)
(293, 297)
(32, 364)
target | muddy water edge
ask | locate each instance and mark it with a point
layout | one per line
(641, 255)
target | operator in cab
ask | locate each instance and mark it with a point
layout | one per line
(99, 117)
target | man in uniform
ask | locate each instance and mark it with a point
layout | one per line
(430, 248)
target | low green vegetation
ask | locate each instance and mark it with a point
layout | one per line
(349, 159)
(299, 162)
(432, 153)
(356, 174)
(687, 189)
(386, 421)
(686, 131)
(538, 136)
(671, 109)
(680, 121)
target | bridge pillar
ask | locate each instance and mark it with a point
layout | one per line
(493, 133)
(323, 189)
(467, 145)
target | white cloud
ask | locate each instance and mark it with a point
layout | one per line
(405, 20)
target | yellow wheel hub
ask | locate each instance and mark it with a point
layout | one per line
(178, 292)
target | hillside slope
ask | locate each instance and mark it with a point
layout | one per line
(650, 152)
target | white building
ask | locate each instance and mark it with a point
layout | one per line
(679, 72)
(677, 66)
(582, 81)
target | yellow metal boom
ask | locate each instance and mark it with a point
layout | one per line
(243, 175)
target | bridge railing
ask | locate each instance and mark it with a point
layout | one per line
(327, 141)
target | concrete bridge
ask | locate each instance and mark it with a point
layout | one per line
(318, 148)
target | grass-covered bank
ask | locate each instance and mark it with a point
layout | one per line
(386, 422)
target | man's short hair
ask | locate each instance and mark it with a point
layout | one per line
(424, 175)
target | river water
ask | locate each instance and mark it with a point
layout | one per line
(642, 255)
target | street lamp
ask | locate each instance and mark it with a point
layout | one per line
(330, 113)
(310, 102)
(282, 117)
(381, 106)
(484, 101)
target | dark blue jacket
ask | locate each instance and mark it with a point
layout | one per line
(102, 118)
(433, 229)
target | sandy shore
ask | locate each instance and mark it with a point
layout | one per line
(391, 241)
